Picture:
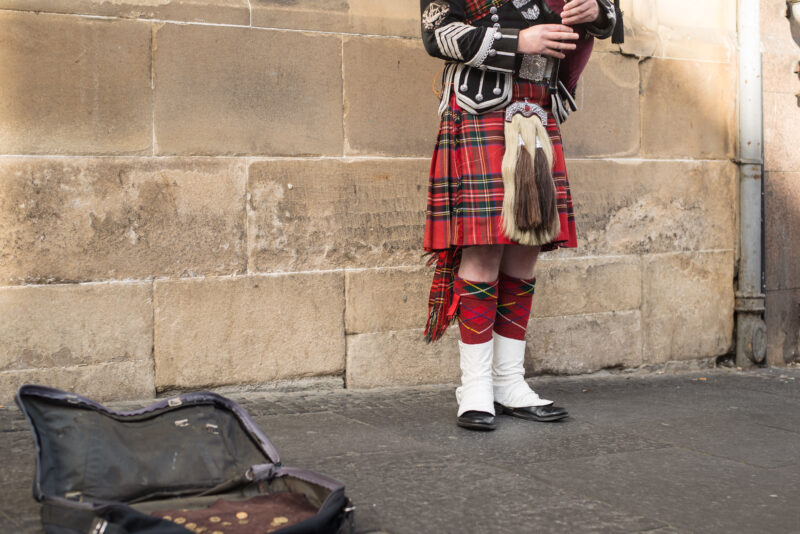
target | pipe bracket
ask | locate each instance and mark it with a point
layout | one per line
(750, 303)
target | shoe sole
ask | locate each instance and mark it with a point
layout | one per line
(505, 411)
(475, 426)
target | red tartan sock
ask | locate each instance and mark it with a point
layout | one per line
(514, 297)
(477, 308)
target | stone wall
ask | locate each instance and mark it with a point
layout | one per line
(199, 193)
(782, 181)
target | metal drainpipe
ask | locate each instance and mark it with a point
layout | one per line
(751, 332)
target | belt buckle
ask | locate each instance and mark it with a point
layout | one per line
(533, 67)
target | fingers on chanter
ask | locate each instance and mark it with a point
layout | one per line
(561, 36)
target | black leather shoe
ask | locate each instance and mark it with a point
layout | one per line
(546, 413)
(476, 420)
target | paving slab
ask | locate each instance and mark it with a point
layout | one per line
(301, 437)
(445, 492)
(687, 489)
(713, 450)
(515, 440)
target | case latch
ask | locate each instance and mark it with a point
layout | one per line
(99, 526)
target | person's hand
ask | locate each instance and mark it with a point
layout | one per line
(580, 11)
(547, 39)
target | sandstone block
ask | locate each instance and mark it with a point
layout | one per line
(326, 214)
(74, 85)
(390, 107)
(382, 300)
(782, 230)
(318, 15)
(608, 102)
(719, 15)
(635, 206)
(385, 17)
(774, 22)
(225, 90)
(780, 132)
(688, 109)
(655, 28)
(401, 358)
(783, 326)
(53, 327)
(76, 219)
(216, 11)
(584, 343)
(702, 45)
(587, 285)
(246, 330)
(376, 17)
(687, 311)
(641, 28)
(125, 380)
(778, 72)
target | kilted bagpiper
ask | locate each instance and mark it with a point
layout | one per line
(498, 191)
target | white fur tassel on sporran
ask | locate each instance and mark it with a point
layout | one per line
(530, 210)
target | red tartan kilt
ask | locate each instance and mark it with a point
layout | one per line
(465, 193)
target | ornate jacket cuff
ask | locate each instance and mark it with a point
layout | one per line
(498, 50)
(603, 27)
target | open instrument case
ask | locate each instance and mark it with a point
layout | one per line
(192, 463)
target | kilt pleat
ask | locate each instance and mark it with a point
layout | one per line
(465, 191)
(465, 195)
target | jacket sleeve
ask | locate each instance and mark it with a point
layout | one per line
(603, 27)
(446, 35)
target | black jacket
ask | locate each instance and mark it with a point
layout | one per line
(478, 39)
(484, 33)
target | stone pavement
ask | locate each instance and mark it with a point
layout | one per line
(706, 451)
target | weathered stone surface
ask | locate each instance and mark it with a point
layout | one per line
(246, 330)
(584, 343)
(688, 109)
(401, 358)
(781, 115)
(123, 380)
(224, 90)
(782, 230)
(639, 206)
(75, 219)
(780, 60)
(95, 339)
(377, 17)
(687, 311)
(376, 72)
(641, 35)
(778, 70)
(382, 300)
(783, 326)
(47, 327)
(608, 102)
(320, 15)
(774, 22)
(587, 285)
(74, 85)
(658, 28)
(217, 11)
(701, 44)
(324, 214)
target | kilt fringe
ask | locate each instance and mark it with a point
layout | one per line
(442, 302)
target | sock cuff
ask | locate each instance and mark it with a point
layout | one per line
(478, 290)
(516, 286)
